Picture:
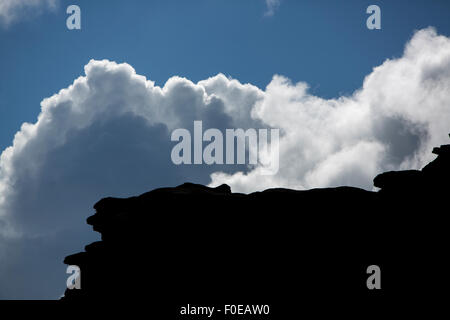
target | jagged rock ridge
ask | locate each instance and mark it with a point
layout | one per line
(194, 243)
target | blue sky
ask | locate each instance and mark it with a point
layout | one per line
(322, 42)
(109, 134)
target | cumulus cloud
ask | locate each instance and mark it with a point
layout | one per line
(12, 10)
(401, 112)
(108, 134)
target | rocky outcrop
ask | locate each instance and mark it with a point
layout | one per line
(195, 244)
(433, 178)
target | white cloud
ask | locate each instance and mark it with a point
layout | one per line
(12, 10)
(108, 134)
(272, 6)
(393, 122)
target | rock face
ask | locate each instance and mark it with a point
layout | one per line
(199, 245)
(433, 178)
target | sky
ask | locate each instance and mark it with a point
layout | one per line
(88, 113)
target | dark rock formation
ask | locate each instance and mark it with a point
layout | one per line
(199, 245)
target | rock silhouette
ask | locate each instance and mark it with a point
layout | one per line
(290, 249)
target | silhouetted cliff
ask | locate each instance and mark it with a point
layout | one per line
(194, 244)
